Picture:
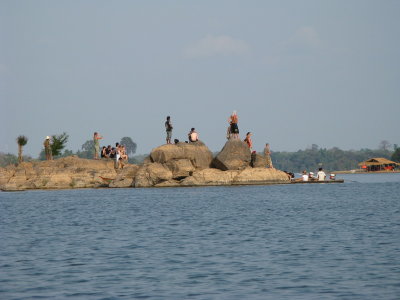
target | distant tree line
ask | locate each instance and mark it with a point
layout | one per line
(333, 159)
(310, 159)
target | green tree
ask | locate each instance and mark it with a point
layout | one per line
(87, 150)
(21, 141)
(58, 143)
(7, 159)
(129, 144)
(396, 155)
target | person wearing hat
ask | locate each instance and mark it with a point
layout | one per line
(47, 148)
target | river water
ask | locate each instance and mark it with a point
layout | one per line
(317, 241)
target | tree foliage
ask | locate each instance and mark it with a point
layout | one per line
(129, 144)
(58, 143)
(333, 159)
(7, 159)
(396, 155)
(87, 150)
(22, 140)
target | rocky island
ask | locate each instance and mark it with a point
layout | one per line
(171, 165)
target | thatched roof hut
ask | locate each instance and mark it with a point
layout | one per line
(378, 164)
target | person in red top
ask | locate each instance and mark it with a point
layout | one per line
(248, 140)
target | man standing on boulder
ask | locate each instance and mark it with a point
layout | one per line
(168, 129)
(233, 121)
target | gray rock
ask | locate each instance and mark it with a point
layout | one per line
(235, 155)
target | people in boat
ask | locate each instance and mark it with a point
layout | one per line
(233, 121)
(311, 176)
(193, 135)
(248, 140)
(267, 154)
(304, 177)
(321, 175)
(289, 174)
(332, 177)
(168, 129)
(96, 138)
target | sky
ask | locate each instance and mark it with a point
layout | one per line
(297, 72)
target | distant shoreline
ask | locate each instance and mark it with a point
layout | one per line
(364, 172)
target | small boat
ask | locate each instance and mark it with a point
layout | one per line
(322, 181)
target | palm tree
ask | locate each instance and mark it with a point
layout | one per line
(22, 141)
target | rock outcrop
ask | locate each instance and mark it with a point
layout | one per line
(68, 172)
(247, 176)
(125, 177)
(235, 155)
(167, 166)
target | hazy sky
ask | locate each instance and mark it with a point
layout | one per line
(297, 72)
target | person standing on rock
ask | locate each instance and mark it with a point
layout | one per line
(168, 129)
(248, 140)
(267, 154)
(47, 148)
(96, 138)
(233, 121)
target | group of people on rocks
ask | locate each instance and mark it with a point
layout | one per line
(232, 133)
(118, 152)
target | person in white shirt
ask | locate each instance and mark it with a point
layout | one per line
(321, 175)
(304, 176)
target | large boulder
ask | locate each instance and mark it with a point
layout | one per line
(180, 168)
(261, 176)
(152, 174)
(210, 177)
(235, 155)
(125, 177)
(197, 152)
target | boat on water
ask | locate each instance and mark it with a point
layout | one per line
(317, 181)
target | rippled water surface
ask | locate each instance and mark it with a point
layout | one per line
(317, 241)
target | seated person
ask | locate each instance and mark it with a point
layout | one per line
(124, 156)
(193, 136)
(108, 151)
(103, 152)
(113, 152)
(311, 177)
(304, 176)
